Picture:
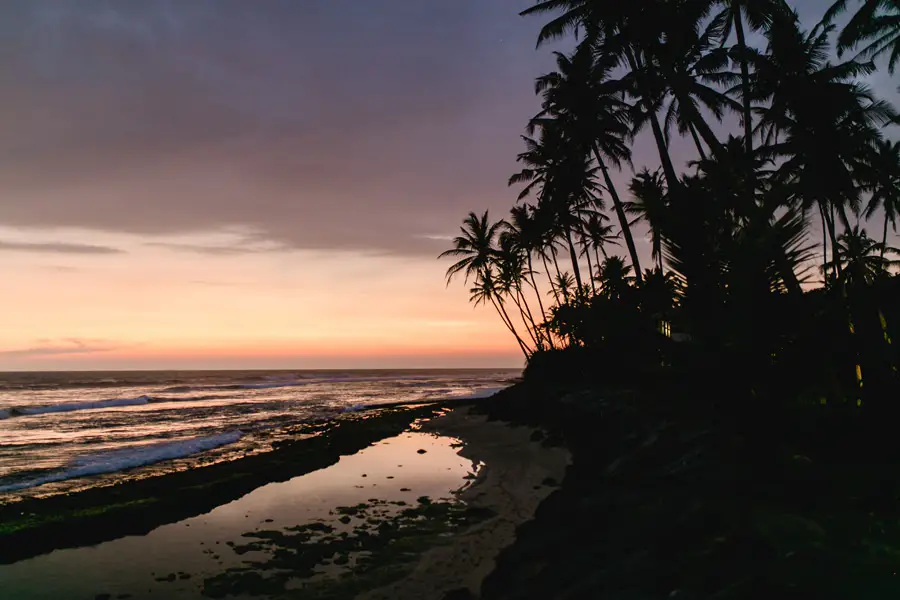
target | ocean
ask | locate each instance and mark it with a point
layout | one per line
(61, 432)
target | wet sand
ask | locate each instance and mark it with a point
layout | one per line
(517, 474)
(414, 515)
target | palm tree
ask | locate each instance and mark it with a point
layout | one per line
(649, 201)
(876, 22)
(758, 14)
(476, 246)
(598, 234)
(619, 32)
(862, 258)
(525, 233)
(689, 65)
(883, 182)
(512, 270)
(485, 290)
(660, 292)
(614, 277)
(582, 98)
(820, 120)
(565, 182)
(565, 283)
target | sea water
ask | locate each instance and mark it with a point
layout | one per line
(61, 432)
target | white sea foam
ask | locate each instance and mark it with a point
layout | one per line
(73, 406)
(482, 393)
(128, 458)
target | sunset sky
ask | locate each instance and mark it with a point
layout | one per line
(234, 184)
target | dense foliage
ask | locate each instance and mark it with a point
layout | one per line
(736, 289)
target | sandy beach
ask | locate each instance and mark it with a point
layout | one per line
(517, 474)
(421, 512)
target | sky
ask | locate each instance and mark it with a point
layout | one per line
(267, 184)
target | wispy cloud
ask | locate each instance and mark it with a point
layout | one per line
(435, 236)
(57, 248)
(209, 250)
(214, 283)
(61, 269)
(68, 346)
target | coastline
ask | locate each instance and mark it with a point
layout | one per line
(518, 474)
(513, 472)
(574, 492)
(33, 526)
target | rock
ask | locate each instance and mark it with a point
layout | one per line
(405, 490)
(459, 594)
(345, 519)
(102, 597)
(421, 451)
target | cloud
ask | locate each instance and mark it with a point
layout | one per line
(57, 248)
(69, 346)
(231, 250)
(166, 118)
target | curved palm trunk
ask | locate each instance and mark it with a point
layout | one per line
(531, 332)
(573, 255)
(587, 254)
(697, 143)
(705, 131)
(668, 168)
(565, 292)
(536, 290)
(597, 255)
(884, 235)
(745, 81)
(549, 278)
(836, 264)
(824, 241)
(623, 220)
(527, 318)
(505, 318)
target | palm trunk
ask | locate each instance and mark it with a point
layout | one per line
(522, 315)
(536, 290)
(884, 235)
(696, 139)
(587, 254)
(505, 318)
(745, 82)
(597, 256)
(527, 318)
(665, 159)
(824, 242)
(706, 132)
(574, 257)
(835, 263)
(549, 278)
(565, 292)
(623, 220)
